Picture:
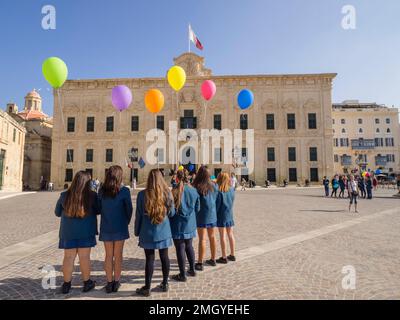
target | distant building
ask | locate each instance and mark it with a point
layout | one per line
(366, 137)
(12, 141)
(37, 157)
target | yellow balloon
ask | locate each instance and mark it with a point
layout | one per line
(181, 168)
(176, 78)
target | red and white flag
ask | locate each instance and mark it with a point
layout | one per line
(194, 39)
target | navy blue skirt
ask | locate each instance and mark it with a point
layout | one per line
(207, 225)
(114, 236)
(227, 224)
(79, 243)
(164, 244)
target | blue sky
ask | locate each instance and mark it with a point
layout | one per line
(130, 38)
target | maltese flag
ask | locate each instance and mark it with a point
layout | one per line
(194, 39)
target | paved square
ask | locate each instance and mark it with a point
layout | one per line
(292, 244)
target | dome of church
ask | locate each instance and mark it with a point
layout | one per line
(33, 94)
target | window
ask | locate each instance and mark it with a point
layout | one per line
(68, 175)
(70, 155)
(292, 154)
(270, 118)
(271, 174)
(378, 142)
(109, 155)
(188, 121)
(389, 142)
(377, 130)
(217, 122)
(360, 130)
(333, 121)
(188, 113)
(160, 122)
(135, 123)
(342, 121)
(388, 130)
(89, 155)
(313, 154)
(360, 121)
(14, 134)
(344, 142)
(71, 124)
(110, 124)
(390, 158)
(343, 130)
(90, 124)
(291, 121)
(243, 122)
(335, 142)
(312, 121)
(377, 121)
(292, 174)
(271, 154)
(387, 120)
(218, 154)
(314, 175)
(336, 158)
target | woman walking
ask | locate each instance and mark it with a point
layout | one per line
(78, 208)
(183, 224)
(116, 214)
(207, 216)
(154, 207)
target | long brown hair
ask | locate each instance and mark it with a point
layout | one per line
(112, 182)
(79, 196)
(223, 182)
(202, 182)
(182, 179)
(157, 197)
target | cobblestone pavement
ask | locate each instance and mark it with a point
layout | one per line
(292, 244)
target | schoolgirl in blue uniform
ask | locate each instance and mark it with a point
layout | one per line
(154, 207)
(183, 224)
(207, 216)
(225, 223)
(78, 208)
(116, 214)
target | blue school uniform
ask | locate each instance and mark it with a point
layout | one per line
(183, 224)
(77, 232)
(152, 236)
(225, 208)
(116, 214)
(207, 216)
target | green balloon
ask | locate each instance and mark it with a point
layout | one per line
(55, 72)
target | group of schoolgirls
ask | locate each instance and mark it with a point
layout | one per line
(163, 218)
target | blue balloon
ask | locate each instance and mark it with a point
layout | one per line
(245, 99)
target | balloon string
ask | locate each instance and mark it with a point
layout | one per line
(120, 138)
(178, 120)
(63, 126)
(158, 150)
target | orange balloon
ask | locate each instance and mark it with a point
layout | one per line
(154, 100)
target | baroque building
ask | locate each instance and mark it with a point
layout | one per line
(37, 153)
(291, 118)
(366, 137)
(12, 140)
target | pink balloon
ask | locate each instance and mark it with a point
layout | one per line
(208, 89)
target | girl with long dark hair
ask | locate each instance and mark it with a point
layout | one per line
(154, 207)
(116, 214)
(207, 216)
(78, 208)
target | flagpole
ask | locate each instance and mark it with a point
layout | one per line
(189, 37)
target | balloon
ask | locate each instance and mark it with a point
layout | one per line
(245, 99)
(181, 168)
(364, 174)
(176, 78)
(208, 89)
(154, 100)
(55, 71)
(121, 97)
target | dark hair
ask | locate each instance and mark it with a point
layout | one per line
(182, 178)
(79, 196)
(202, 182)
(112, 182)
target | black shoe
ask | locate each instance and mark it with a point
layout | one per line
(222, 260)
(143, 291)
(88, 285)
(116, 286)
(66, 287)
(191, 273)
(211, 262)
(109, 287)
(179, 277)
(198, 266)
(231, 258)
(164, 287)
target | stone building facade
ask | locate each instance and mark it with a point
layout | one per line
(366, 136)
(12, 141)
(37, 154)
(291, 118)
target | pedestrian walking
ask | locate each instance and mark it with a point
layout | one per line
(325, 183)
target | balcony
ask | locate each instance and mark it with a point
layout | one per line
(346, 161)
(380, 161)
(188, 123)
(362, 144)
